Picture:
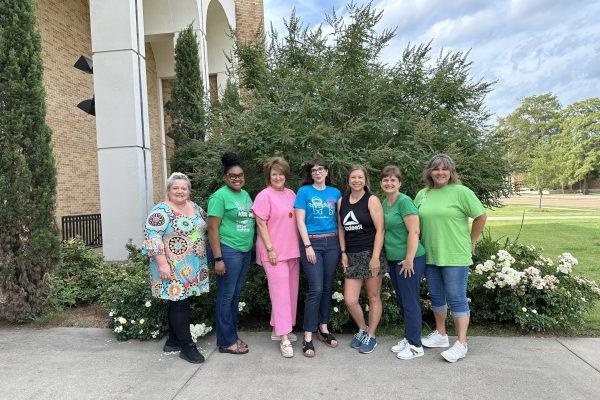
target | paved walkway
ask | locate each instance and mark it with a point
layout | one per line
(85, 363)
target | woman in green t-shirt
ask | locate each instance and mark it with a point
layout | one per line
(445, 207)
(231, 235)
(406, 259)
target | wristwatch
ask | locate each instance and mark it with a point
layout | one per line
(270, 248)
(218, 259)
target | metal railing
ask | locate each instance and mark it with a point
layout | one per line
(88, 227)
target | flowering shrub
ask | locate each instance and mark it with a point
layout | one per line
(517, 284)
(135, 314)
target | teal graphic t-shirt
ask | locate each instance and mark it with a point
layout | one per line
(320, 207)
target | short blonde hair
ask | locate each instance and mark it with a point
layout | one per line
(278, 163)
(435, 162)
(178, 176)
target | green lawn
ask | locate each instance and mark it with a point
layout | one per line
(533, 211)
(579, 237)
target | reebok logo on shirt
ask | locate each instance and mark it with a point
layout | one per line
(351, 222)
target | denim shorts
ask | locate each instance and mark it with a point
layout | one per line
(358, 265)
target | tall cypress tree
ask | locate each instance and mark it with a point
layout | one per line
(187, 105)
(29, 243)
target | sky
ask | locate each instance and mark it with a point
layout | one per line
(529, 47)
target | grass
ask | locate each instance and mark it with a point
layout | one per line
(533, 211)
(579, 237)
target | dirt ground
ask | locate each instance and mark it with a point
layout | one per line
(85, 316)
(562, 200)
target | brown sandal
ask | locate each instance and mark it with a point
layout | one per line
(236, 350)
(327, 338)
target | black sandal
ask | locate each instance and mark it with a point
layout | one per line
(327, 338)
(306, 347)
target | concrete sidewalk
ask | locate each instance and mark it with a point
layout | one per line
(83, 363)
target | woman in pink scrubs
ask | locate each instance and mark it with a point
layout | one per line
(277, 249)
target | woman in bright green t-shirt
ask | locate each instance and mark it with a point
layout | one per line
(231, 236)
(445, 207)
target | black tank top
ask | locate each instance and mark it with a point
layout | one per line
(359, 230)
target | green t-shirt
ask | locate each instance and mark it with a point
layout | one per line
(445, 230)
(237, 220)
(396, 234)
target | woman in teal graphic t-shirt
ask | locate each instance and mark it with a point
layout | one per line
(445, 207)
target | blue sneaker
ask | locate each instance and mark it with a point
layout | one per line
(368, 344)
(357, 339)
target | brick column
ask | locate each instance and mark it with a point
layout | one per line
(125, 168)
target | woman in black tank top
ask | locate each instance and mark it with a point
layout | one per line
(361, 241)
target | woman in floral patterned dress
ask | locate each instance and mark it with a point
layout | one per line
(175, 242)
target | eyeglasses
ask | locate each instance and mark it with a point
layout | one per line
(235, 177)
(318, 170)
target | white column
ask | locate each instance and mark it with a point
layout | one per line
(122, 127)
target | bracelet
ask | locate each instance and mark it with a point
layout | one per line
(343, 251)
(269, 249)
(306, 246)
(218, 259)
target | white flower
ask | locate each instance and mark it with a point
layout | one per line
(489, 285)
(121, 320)
(133, 322)
(241, 305)
(148, 303)
(534, 311)
(337, 296)
(367, 307)
(142, 321)
(335, 309)
(118, 329)
(387, 274)
(492, 257)
(154, 334)
(199, 330)
(524, 309)
(141, 331)
(111, 313)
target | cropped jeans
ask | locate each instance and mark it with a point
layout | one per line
(317, 305)
(448, 287)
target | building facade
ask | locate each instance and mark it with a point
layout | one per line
(116, 163)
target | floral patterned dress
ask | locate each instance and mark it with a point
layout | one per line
(182, 240)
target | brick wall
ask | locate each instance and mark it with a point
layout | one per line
(158, 179)
(65, 29)
(249, 17)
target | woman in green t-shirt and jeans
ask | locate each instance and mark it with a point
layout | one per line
(445, 207)
(406, 259)
(231, 236)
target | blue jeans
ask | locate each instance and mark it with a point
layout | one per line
(408, 297)
(448, 287)
(317, 305)
(229, 286)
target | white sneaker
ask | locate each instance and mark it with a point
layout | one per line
(286, 349)
(290, 336)
(397, 348)
(456, 352)
(409, 352)
(434, 339)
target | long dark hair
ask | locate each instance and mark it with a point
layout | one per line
(308, 180)
(230, 160)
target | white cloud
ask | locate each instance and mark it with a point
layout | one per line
(528, 46)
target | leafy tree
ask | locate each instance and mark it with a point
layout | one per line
(29, 244)
(325, 93)
(533, 122)
(580, 139)
(187, 107)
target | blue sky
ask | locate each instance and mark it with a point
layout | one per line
(529, 46)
